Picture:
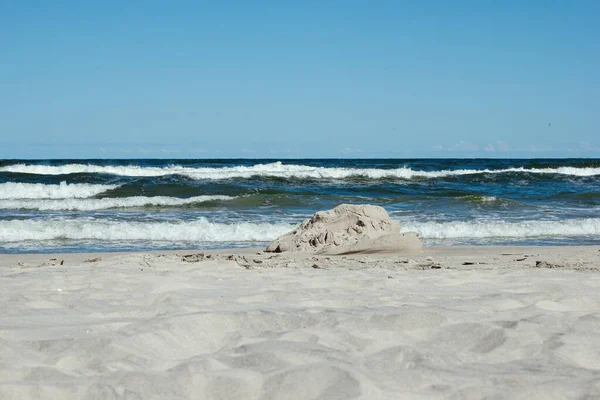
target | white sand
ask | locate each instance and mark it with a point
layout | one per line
(151, 326)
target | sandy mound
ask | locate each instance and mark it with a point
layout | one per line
(346, 229)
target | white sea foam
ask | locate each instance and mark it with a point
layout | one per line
(280, 170)
(90, 229)
(478, 198)
(204, 230)
(500, 229)
(64, 190)
(104, 203)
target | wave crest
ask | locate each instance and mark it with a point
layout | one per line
(500, 229)
(14, 190)
(280, 170)
(201, 230)
(105, 203)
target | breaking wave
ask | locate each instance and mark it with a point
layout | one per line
(500, 229)
(280, 170)
(75, 204)
(64, 190)
(201, 230)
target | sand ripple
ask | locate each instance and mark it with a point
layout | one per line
(151, 326)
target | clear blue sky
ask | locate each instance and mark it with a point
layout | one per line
(203, 79)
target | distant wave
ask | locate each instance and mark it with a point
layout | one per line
(201, 230)
(12, 190)
(499, 229)
(280, 170)
(104, 203)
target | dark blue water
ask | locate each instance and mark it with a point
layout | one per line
(110, 205)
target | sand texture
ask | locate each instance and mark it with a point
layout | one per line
(442, 323)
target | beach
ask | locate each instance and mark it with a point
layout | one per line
(148, 279)
(296, 200)
(447, 322)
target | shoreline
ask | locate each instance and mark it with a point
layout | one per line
(569, 257)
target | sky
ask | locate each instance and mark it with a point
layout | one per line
(299, 79)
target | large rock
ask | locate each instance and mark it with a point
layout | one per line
(347, 229)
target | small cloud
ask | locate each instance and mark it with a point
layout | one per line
(348, 150)
(438, 147)
(588, 146)
(544, 149)
(169, 151)
(464, 146)
(501, 146)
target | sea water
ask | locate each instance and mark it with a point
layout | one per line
(123, 205)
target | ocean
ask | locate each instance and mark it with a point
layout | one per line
(140, 205)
